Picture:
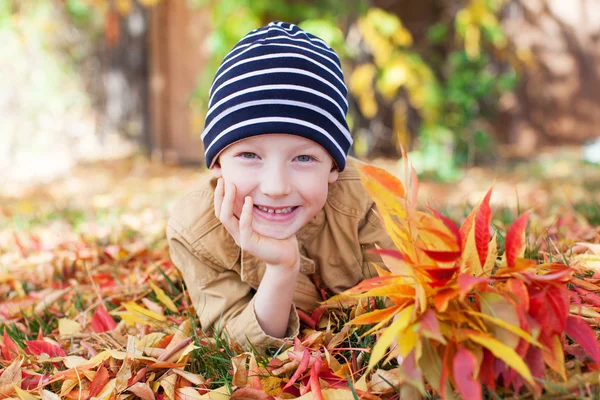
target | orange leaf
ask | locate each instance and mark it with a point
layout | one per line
(388, 181)
(515, 239)
(482, 227)
(465, 375)
(374, 316)
(443, 297)
(111, 28)
(580, 332)
(254, 374)
(553, 354)
(100, 380)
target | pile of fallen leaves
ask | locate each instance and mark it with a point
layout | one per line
(101, 312)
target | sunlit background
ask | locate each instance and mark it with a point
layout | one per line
(102, 102)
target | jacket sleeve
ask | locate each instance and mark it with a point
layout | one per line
(221, 299)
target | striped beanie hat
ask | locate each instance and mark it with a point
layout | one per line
(278, 79)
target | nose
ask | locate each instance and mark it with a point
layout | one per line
(275, 183)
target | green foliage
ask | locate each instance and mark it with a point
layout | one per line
(443, 87)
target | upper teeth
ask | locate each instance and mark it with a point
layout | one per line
(277, 211)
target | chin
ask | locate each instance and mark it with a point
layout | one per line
(273, 232)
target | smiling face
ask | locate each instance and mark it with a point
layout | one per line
(287, 177)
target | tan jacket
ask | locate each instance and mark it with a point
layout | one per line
(221, 279)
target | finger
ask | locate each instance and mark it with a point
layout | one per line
(246, 221)
(218, 197)
(227, 218)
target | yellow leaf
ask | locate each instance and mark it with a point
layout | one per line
(124, 7)
(555, 356)
(490, 260)
(407, 341)
(149, 3)
(149, 340)
(143, 313)
(107, 391)
(221, 393)
(389, 334)
(512, 328)
(68, 327)
(498, 307)
(361, 79)
(504, 353)
(23, 395)
(163, 298)
(185, 393)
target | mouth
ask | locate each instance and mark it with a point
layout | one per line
(276, 214)
(277, 210)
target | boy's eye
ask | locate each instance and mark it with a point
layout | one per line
(305, 158)
(248, 155)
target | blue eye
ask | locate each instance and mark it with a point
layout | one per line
(248, 155)
(304, 158)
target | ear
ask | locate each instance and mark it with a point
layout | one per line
(216, 170)
(333, 174)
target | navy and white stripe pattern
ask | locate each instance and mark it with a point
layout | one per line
(278, 79)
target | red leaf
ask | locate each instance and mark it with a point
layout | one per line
(10, 350)
(515, 238)
(558, 299)
(463, 368)
(442, 256)
(440, 276)
(588, 297)
(100, 380)
(102, 321)
(315, 386)
(580, 332)
(486, 372)
(450, 225)
(304, 317)
(467, 282)
(39, 347)
(482, 227)
(516, 288)
(301, 368)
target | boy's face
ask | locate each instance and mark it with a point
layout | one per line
(287, 177)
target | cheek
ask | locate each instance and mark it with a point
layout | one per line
(244, 187)
(315, 194)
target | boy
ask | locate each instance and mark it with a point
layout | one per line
(281, 210)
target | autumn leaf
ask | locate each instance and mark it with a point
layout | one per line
(482, 227)
(515, 239)
(464, 370)
(39, 347)
(504, 353)
(102, 321)
(388, 335)
(581, 333)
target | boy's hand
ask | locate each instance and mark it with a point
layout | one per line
(272, 251)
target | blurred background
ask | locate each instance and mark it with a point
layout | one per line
(102, 102)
